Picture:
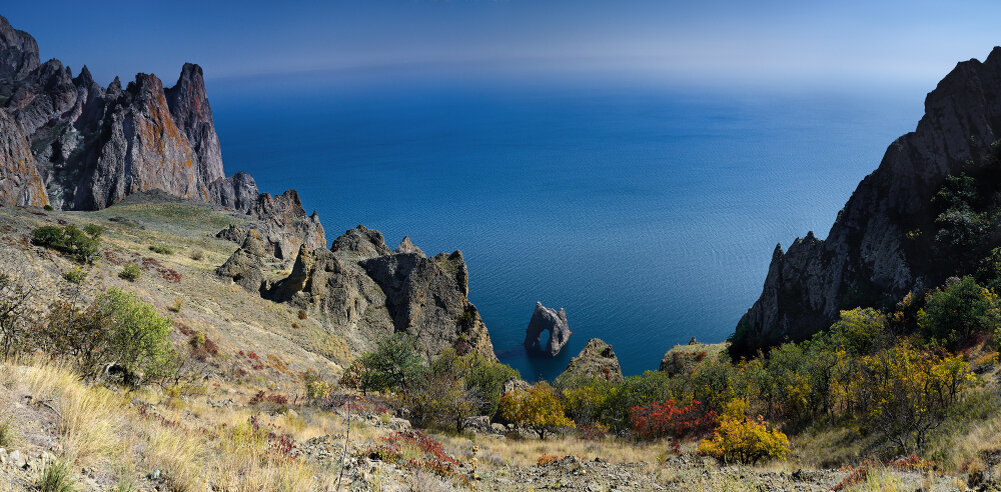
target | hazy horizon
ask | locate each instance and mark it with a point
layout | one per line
(768, 45)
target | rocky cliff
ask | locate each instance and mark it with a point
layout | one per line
(361, 286)
(883, 243)
(67, 141)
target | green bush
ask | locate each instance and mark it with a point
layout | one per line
(15, 314)
(70, 240)
(55, 477)
(163, 250)
(93, 230)
(392, 366)
(130, 272)
(75, 276)
(138, 337)
(47, 208)
(960, 312)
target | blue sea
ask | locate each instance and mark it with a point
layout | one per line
(648, 213)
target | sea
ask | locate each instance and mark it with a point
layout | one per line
(649, 213)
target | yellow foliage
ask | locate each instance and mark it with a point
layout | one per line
(538, 408)
(742, 439)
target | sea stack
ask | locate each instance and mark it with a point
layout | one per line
(547, 319)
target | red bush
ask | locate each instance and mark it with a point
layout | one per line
(669, 420)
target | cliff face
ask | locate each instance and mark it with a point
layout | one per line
(72, 143)
(362, 287)
(92, 146)
(882, 244)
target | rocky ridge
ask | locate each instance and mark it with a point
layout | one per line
(361, 286)
(68, 142)
(882, 244)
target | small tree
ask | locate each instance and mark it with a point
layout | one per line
(393, 365)
(139, 337)
(14, 313)
(909, 392)
(742, 439)
(860, 331)
(538, 408)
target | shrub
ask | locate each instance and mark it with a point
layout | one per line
(416, 451)
(316, 388)
(742, 439)
(392, 366)
(301, 314)
(163, 250)
(93, 230)
(7, 436)
(956, 314)
(860, 331)
(70, 240)
(139, 338)
(130, 272)
(15, 313)
(537, 408)
(668, 420)
(909, 392)
(47, 207)
(176, 307)
(441, 397)
(197, 255)
(75, 276)
(588, 401)
(55, 477)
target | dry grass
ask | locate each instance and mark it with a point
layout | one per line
(99, 427)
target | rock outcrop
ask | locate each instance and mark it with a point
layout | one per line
(546, 319)
(408, 247)
(595, 361)
(882, 244)
(285, 225)
(20, 183)
(426, 297)
(361, 286)
(91, 146)
(246, 265)
(361, 242)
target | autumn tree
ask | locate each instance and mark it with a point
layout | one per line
(538, 408)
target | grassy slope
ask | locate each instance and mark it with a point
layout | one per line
(193, 434)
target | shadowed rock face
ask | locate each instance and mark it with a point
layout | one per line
(376, 294)
(544, 319)
(246, 265)
(868, 257)
(595, 361)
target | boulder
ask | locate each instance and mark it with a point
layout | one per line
(361, 242)
(246, 265)
(546, 319)
(408, 247)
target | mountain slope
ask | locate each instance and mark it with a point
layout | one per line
(882, 244)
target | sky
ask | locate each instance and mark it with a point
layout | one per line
(710, 42)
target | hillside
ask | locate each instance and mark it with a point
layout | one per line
(242, 418)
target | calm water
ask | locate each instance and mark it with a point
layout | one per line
(649, 215)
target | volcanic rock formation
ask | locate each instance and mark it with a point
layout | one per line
(882, 244)
(544, 319)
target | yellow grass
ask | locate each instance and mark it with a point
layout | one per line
(99, 427)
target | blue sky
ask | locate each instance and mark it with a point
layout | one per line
(711, 42)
